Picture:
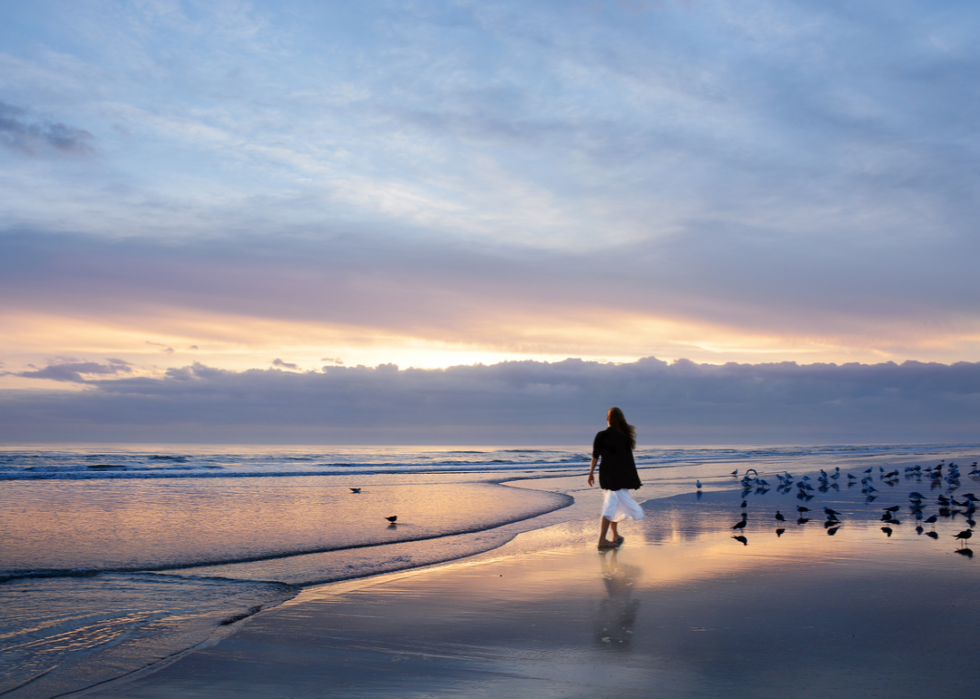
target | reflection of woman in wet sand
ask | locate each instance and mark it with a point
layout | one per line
(613, 451)
(614, 617)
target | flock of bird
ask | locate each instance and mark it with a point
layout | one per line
(943, 475)
(805, 492)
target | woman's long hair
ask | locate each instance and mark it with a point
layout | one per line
(618, 422)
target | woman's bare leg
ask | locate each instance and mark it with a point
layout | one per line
(615, 534)
(603, 528)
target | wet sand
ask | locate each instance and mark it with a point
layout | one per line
(681, 610)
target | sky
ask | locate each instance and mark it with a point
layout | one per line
(748, 221)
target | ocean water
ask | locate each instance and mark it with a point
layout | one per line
(116, 558)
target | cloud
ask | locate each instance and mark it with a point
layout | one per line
(516, 402)
(72, 370)
(284, 365)
(625, 301)
(789, 179)
(333, 360)
(22, 130)
(167, 349)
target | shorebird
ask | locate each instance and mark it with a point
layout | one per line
(779, 516)
(744, 503)
(830, 513)
(392, 518)
(355, 490)
(735, 472)
(741, 525)
(964, 535)
(932, 520)
(802, 508)
(699, 485)
(893, 508)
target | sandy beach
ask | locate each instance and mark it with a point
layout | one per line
(680, 610)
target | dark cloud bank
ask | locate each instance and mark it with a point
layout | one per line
(508, 403)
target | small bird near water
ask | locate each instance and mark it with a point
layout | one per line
(964, 535)
(392, 518)
(355, 490)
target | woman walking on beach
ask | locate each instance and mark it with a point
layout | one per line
(612, 450)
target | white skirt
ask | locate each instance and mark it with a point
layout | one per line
(619, 506)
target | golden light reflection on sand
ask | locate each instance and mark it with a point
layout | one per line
(134, 523)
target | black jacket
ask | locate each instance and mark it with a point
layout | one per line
(617, 469)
